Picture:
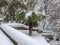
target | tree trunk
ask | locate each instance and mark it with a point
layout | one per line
(13, 18)
(30, 28)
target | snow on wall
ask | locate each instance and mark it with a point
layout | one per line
(18, 25)
(4, 40)
(21, 38)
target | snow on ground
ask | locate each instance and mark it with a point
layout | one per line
(39, 38)
(24, 39)
(19, 37)
(34, 33)
(4, 40)
(36, 36)
(54, 42)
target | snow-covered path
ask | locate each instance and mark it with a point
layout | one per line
(4, 40)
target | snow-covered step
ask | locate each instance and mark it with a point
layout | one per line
(4, 40)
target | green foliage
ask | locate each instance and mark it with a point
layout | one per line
(3, 3)
(21, 16)
(33, 18)
(30, 5)
(23, 6)
(13, 7)
(41, 17)
(17, 4)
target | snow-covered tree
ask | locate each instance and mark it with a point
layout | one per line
(31, 20)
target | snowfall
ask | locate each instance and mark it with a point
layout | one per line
(22, 37)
